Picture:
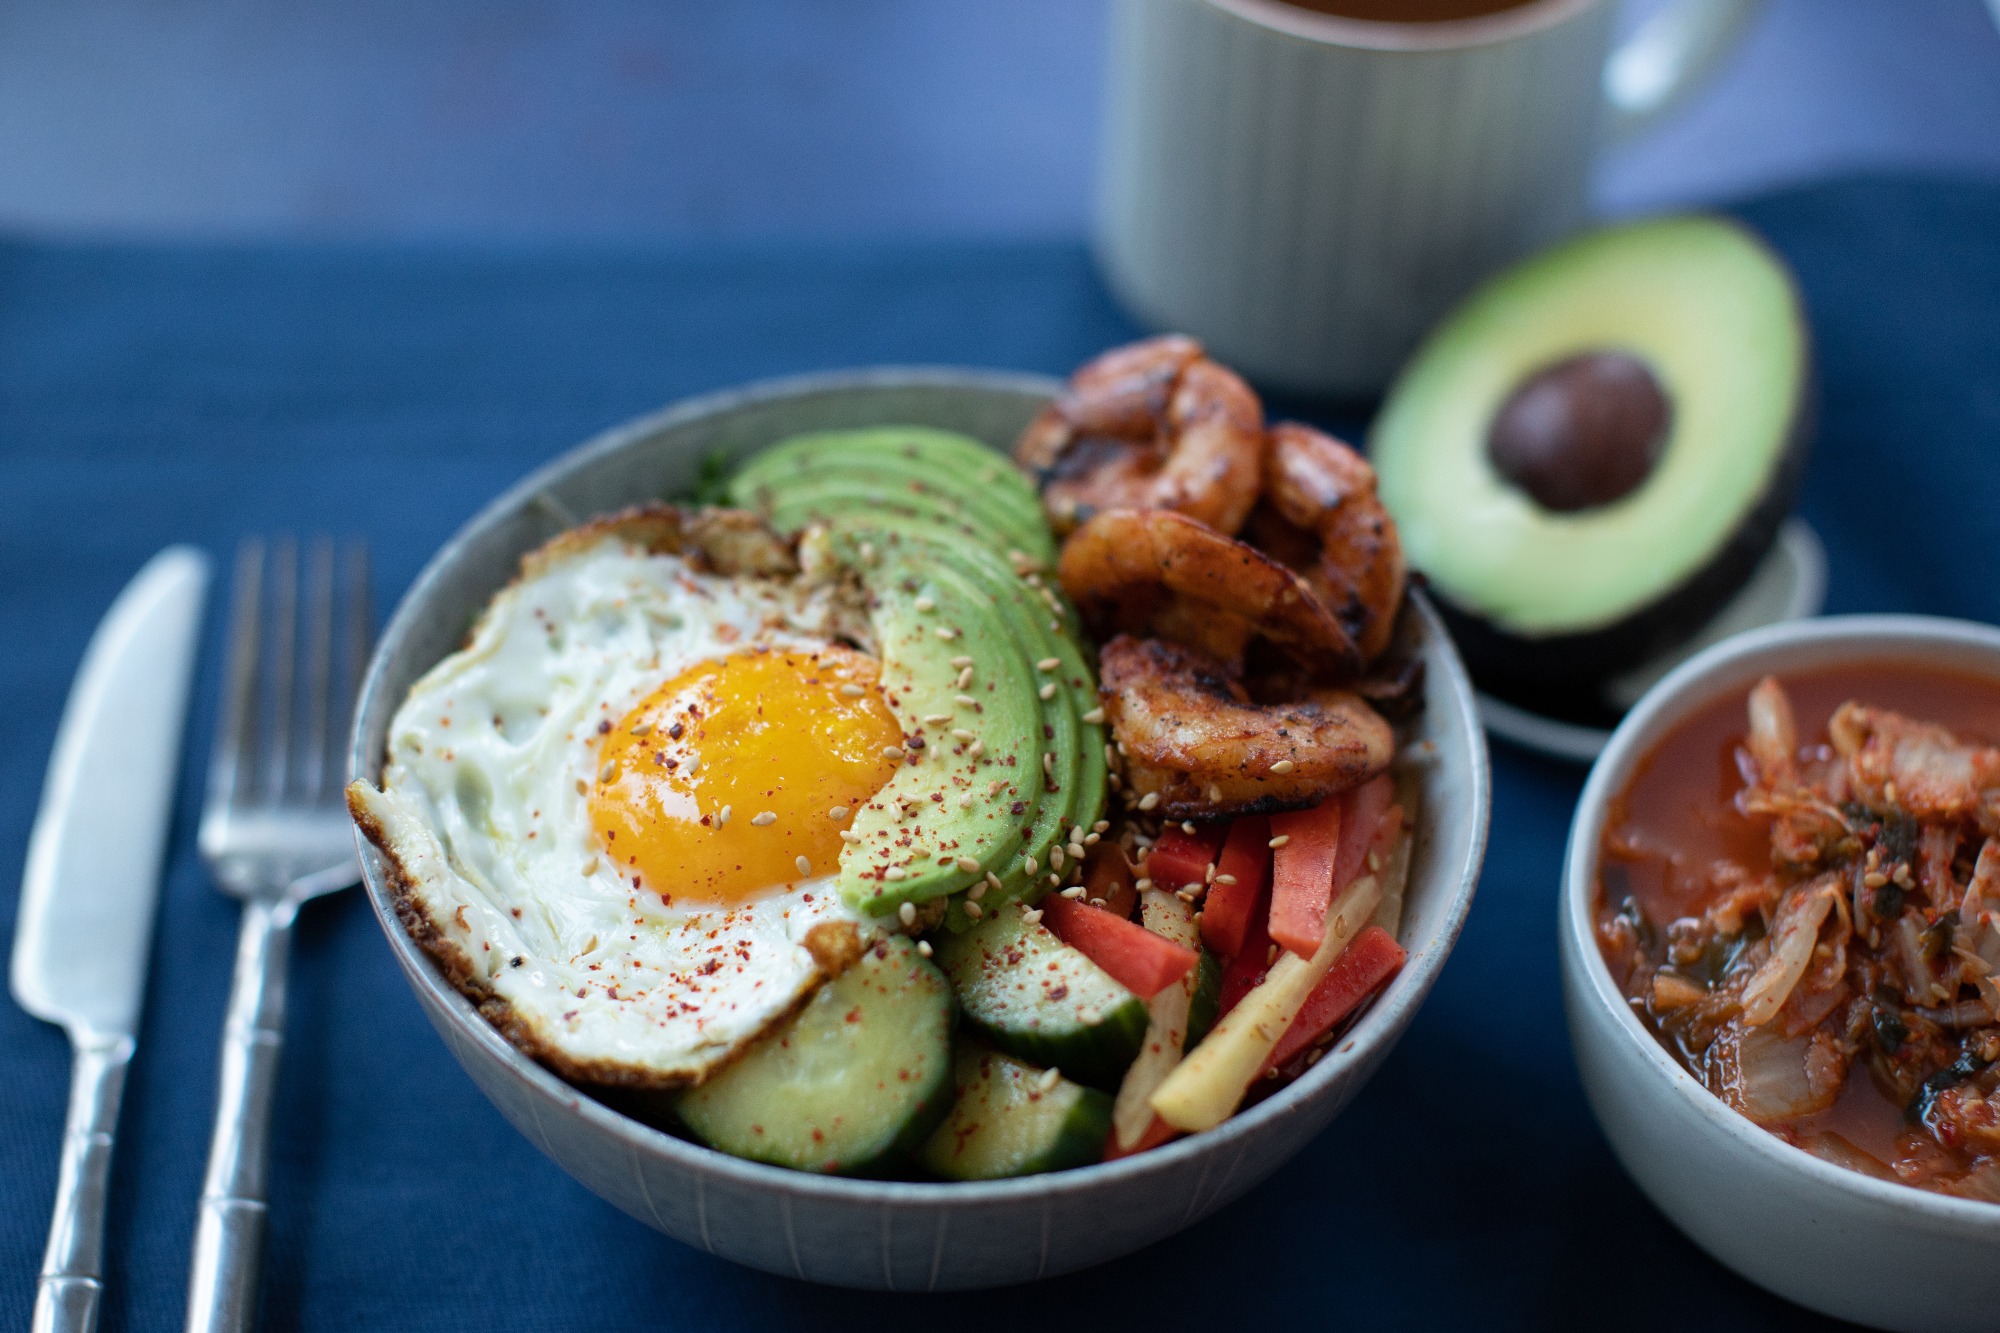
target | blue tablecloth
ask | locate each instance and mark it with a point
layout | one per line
(150, 395)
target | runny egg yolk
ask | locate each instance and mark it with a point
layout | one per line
(738, 775)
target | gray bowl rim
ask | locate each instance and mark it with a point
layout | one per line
(1690, 686)
(1384, 1020)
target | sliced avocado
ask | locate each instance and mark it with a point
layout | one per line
(951, 474)
(1593, 453)
(941, 821)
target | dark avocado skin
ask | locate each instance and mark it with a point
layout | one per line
(1561, 675)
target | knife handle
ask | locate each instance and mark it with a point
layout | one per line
(229, 1230)
(66, 1297)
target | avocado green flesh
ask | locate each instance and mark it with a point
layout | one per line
(855, 1081)
(897, 464)
(945, 841)
(1004, 1122)
(1715, 317)
(1034, 997)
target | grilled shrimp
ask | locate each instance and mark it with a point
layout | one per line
(1156, 572)
(1153, 425)
(1192, 738)
(1320, 515)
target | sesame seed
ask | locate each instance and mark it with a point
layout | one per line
(852, 691)
(992, 880)
(974, 910)
(1056, 857)
(924, 604)
(968, 865)
(1142, 884)
(849, 835)
(1279, 841)
(892, 752)
(1048, 1080)
(1270, 955)
(722, 815)
(961, 734)
(976, 749)
(1030, 864)
(965, 701)
(908, 913)
(1374, 861)
(965, 678)
(837, 812)
(1187, 825)
(1073, 892)
(1214, 794)
(1094, 717)
(582, 787)
(1874, 879)
(993, 787)
(946, 632)
(1189, 888)
(1033, 916)
(1047, 691)
(1110, 755)
(763, 819)
(936, 719)
(897, 872)
(590, 866)
(1149, 801)
(1091, 1018)
(1054, 879)
(1055, 626)
(977, 891)
(1048, 664)
(693, 762)
(1098, 902)
(924, 948)
(868, 553)
(965, 801)
(1283, 766)
(1225, 879)
(1092, 839)
(608, 772)
(1101, 826)
(1048, 761)
(1208, 873)
(805, 866)
(642, 729)
(964, 663)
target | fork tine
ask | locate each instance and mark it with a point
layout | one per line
(235, 729)
(309, 770)
(358, 629)
(279, 644)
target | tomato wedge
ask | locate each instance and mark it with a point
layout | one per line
(1155, 1134)
(1302, 873)
(1364, 965)
(1242, 873)
(1136, 958)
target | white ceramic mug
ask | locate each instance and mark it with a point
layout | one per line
(1308, 194)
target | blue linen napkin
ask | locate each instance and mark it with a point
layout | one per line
(150, 395)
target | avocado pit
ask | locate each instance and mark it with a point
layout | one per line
(1583, 432)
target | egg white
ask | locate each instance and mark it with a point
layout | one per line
(482, 812)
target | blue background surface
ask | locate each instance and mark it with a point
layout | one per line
(199, 392)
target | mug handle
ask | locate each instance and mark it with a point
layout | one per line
(1672, 51)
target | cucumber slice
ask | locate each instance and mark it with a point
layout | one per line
(1206, 1001)
(1005, 1122)
(853, 1083)
(1036, 998)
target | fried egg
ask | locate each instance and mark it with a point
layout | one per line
(616, 814)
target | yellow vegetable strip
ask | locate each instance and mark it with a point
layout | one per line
(1164, 914)
(1204, 1089)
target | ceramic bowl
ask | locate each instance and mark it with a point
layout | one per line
(888, 1234)
(1840, 1242)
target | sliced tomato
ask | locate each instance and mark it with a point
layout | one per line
(1364, 965)
(1302, 873)
(1108, 875)
(1155, 1134)
(1136, 958)
(1242, 873)
(1181, 858)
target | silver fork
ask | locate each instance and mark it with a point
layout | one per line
(275, 833)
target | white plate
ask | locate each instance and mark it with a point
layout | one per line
(1789, 585)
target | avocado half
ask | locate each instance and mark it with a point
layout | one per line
(1593, 453)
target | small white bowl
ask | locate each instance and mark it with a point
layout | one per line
(1840, 1242)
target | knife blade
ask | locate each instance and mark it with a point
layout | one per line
(85, 926)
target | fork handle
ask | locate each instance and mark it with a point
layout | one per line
(229, 1230)
(67, 1295)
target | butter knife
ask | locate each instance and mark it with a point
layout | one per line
(88, 893)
